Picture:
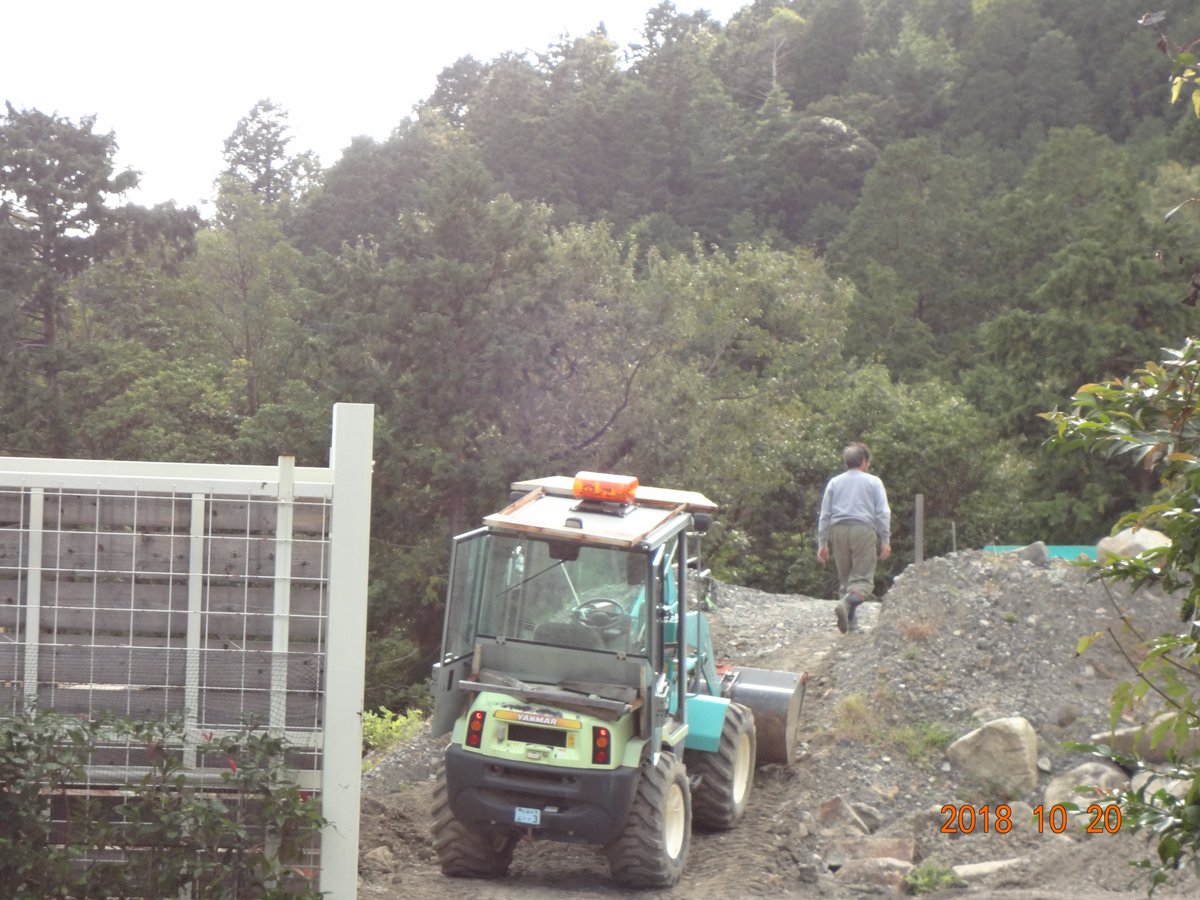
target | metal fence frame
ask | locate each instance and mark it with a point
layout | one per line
(341, 494)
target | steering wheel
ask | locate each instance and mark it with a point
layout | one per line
(601, 612)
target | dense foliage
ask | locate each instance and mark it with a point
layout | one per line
(710, 259)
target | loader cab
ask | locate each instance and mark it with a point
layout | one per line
(560, 587)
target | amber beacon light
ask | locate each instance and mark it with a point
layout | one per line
(613, 488)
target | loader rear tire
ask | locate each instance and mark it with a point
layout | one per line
(463, 852)
(652, 849)
(727, 775)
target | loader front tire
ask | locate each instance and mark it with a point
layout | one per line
(463, 852)
(651, 850)
(727, 775)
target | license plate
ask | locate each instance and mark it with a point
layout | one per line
(524, 815)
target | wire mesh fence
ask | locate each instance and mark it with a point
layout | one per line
(149, 595)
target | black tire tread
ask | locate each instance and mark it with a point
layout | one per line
(713, 804)
(461, 851)
(638, 857)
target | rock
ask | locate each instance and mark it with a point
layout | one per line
(1099, 776)
(1152, 781)
(1130, 542)
(843, 850)
(1035, 553)
(371, 806)
(872, 818)
(1067, 713)
(1137, 741)
(879, 871)
(1001, 754)
(967, 871)
(807, 873)
(836, 816)
(381, 860)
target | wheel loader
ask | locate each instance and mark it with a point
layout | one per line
(578, 684)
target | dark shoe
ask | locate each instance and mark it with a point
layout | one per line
(843, 612)
(846, 611)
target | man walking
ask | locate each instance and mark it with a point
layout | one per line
(855, 525)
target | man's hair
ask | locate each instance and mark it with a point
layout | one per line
(855, 455)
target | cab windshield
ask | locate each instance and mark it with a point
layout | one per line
(558, 592)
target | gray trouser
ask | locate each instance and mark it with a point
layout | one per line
(855, 550)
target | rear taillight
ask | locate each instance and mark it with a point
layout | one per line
(601, 746)
(475, 729)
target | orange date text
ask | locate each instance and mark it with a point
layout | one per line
(966, 818)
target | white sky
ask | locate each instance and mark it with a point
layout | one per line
(172, 79)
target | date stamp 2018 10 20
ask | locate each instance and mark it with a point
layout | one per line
(966, 818)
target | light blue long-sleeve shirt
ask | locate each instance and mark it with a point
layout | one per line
(855, 496)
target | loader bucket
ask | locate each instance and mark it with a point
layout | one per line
(775, 699)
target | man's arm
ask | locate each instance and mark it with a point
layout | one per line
(823, 526)
(883, 513)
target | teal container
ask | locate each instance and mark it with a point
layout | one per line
(1054, 551)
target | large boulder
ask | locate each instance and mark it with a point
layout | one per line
(1101, 778)
(1001, 754)
(1130, 542)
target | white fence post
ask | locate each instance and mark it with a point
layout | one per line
(350, 459)
(195, 627)
(33, 593)
(280, 627)
(919, 529)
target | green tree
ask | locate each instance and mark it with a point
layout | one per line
(256, 155)
(917, 81)
(759, 40)
(680, 123)
(144, 383)
(798, 164)
(360, 197)
(504, 121)
(885, 327)
(420, 325)
(1021, 74)
(458, 85)
(920, 208)
(1119, 59)
(56, 177)
(1078, 293)
(247, 276)
(830, 40)
(131, 402)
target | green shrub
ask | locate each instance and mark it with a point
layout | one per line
(159, 836)
(923, 742)
(929, 877)
(385, 729)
